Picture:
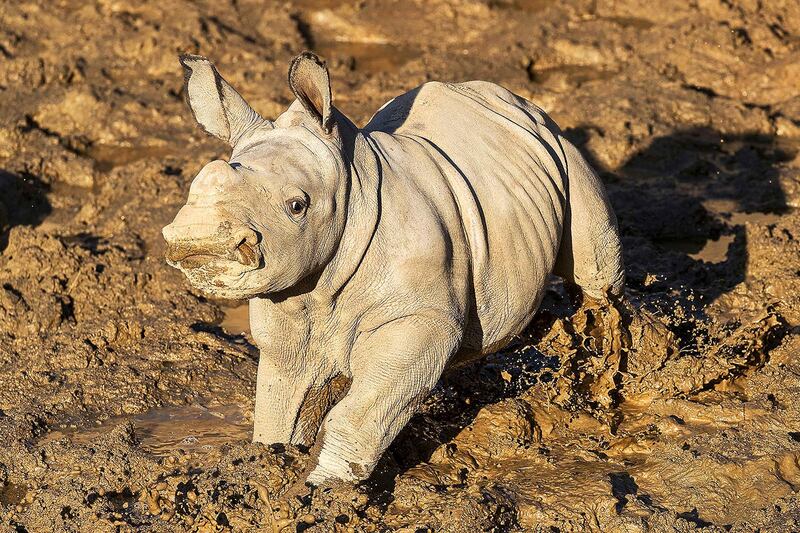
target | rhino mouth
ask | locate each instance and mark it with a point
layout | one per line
(196, 260)
(186, 258)
(193, 255)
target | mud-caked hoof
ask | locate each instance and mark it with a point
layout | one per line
(323, 476)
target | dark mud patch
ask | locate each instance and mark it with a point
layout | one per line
(521, 5)
(107, 157)
(568, 76)
(24, 202)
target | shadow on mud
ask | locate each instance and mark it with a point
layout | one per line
(23, 201)
(238, 339)
(687, 190)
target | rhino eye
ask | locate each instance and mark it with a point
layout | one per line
(296, 206)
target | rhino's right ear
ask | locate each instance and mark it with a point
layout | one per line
(216, 106)
(311, 84)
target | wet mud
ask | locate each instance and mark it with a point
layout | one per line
(126, 397)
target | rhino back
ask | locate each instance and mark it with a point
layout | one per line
(501, 158)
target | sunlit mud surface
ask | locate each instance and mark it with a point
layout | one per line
(126, 398)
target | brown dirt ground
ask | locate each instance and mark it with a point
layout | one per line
(125, 405)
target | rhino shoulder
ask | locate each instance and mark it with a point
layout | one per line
(414, 110)
(410, 110)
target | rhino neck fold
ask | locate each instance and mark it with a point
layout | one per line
(363, 209)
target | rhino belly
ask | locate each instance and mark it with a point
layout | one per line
(514, 233)
(514, 294)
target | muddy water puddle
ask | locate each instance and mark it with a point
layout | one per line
(716, 250)
(370, 57)
(333, 34)
(237, 320)
(709, 250)
(731, 211)
(166, 430)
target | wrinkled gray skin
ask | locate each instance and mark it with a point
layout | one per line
(374, 258)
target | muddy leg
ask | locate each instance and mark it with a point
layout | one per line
(316, 404)
(398, 366)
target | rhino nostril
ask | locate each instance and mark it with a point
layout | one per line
(246, 254)
(246, 247)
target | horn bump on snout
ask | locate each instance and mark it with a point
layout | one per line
(214, 178)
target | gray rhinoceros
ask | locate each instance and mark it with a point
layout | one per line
(375, 258)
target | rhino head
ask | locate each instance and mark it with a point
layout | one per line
(273, 214)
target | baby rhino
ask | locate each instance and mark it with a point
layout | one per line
(375, 258)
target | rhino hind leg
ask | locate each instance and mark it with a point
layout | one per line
(590, 254)
(398, 364)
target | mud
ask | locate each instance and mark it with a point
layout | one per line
(126, 397)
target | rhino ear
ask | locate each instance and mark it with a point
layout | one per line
(311, 84)
(216, 106)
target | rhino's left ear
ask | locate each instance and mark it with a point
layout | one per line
(216, 106)
(311, 84)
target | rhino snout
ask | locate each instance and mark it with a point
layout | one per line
(240, 245)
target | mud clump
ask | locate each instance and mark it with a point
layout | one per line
(125, 403)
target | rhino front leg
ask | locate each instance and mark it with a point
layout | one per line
(398, 364)
(279, 398)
